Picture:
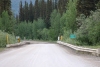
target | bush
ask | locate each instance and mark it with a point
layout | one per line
(89, 32)
(3, 39)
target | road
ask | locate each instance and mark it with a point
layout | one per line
(42, 55)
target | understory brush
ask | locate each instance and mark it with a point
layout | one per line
(3, 39)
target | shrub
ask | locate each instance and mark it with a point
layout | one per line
(89, 32)
(3, 39)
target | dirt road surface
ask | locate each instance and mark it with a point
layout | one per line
(44, 55)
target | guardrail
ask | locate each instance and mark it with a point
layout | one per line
(95, 52)
(18, 44)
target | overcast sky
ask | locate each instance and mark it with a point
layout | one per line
(15, 5)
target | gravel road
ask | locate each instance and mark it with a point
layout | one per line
(44, 55)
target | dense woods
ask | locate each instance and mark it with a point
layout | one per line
(5, 5)
(48, 19)
(41, 9)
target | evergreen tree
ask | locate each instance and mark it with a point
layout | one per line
(21, 12)
(56, 2)
(98, 5)
(26, 12)
(48, 12)
(31, 12)
(42, 9)
(61, 6)
(85, 6)
(5, 5)
(36, 6)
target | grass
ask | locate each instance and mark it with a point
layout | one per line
(3, 39)
(93, 47)
(1, 49)
(74, 42)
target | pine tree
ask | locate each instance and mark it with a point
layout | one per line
(42, 9)
(36, 8)
(48, 12)
(31, 12)
(21, 12)
(85, 6)
(5, 5)
(26, 12)
(56, 2)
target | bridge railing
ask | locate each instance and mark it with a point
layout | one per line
(95, 52)
(18, 44)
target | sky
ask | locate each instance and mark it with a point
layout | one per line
(15, 5)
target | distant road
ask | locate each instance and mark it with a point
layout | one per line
(43, 55)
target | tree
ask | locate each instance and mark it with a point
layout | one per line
(48, 12)
(36, 7)
(55, 25)
(56, 4)
(26, 12)
(43, 9)
(71, 14)
(24, 29)
(62, 23)
(62, 6)
(31, 12)
(98, 4)
(85, 6)
(21, 12)
(5, 5)
(5, 23)
(88, 33)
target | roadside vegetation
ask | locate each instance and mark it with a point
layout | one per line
(3, 39)
(46, 20)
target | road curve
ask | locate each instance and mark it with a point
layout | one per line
(42, 55)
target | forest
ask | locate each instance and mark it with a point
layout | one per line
(46, 20)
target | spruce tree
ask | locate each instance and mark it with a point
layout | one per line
(26, 12)
(31, 12)
(36, 8)
(85, 6)
(5, 5)
(48, 12)
(21, 12)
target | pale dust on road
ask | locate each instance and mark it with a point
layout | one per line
(42, 55)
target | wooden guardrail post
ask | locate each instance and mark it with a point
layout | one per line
(98, 52)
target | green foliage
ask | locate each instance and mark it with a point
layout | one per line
(98, 4)
(3, 40)
(38, 26)
(88, 32)
(30, 30)
(62, 23)
(5, 5)
(6, 22)
(68, 21)
(71, 14)
(85, 6)
(24, 30)
(45, 34)
(55, 25)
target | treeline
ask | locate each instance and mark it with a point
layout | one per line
(7, 22)
(41, 9)
(49, 19)
(5, 5)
